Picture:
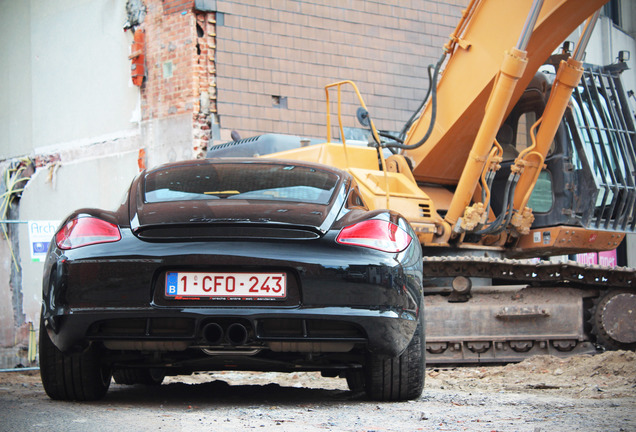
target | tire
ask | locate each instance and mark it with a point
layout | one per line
(144, 376)
(71, 377)
(397, 378)
(355, 380)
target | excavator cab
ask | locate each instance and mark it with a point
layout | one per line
(588, 175)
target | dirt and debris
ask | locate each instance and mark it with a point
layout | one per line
(544, 393)
(608, 375)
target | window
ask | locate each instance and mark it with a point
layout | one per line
(247, 181)
(541, 199)
(612, 10)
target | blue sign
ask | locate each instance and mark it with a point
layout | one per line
(40, 234)
(40, 247)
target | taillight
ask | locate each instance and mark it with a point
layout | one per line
(85, 231)
(375, 234)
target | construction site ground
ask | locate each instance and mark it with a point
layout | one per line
(543, 393)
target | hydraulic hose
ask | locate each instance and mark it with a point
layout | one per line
(503, 219)
(419, 109)
(433, 92)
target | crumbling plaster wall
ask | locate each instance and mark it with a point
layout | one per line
(84, 118)
(7, 321)
(54, 192)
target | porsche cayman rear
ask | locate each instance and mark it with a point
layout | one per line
(234, 264)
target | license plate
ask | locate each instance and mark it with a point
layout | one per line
(189, 285)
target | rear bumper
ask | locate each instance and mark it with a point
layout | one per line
(385, 332)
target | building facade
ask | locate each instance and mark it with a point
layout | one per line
(92, 91)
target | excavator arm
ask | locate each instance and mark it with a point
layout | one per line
(487, 31)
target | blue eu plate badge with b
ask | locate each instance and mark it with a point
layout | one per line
(171, 283)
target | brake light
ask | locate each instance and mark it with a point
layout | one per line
(86, 231)
(375, 234)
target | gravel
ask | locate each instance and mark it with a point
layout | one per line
(544, 393)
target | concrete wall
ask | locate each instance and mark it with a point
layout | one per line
(15, 78)
(607, 40)
(167, 139)
(81, 72)
(66, 72)
(629, 17)
(631, 250)
(70, 104)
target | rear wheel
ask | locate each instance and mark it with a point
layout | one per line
(355, 380)
(397, 378)
(145, 376)
(76, 376)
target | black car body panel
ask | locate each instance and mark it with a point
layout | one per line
(342, 302)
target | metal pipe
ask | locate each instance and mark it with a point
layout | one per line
(213, 333)
(20, 369)
(237, 334)
(579, 51)
(528, 27)
(567, 78)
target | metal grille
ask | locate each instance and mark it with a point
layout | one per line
(602, 128)
(425, 210)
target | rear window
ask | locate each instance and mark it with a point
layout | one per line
(249, 181)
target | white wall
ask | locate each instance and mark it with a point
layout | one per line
(607, 40)
(65, 67)
(15, 78)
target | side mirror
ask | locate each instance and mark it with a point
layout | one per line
(363, 117)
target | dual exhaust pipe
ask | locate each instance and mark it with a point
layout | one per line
(236, 334)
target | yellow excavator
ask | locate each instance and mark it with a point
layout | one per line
(516, 155)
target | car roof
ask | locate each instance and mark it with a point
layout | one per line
(248, 160)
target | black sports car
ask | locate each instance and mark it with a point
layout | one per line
(247, 264)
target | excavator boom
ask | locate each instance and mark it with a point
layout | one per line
(491, 28)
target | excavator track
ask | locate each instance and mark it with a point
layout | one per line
(543, 273)
(534, 308)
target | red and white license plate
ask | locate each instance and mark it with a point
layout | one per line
(226, 285)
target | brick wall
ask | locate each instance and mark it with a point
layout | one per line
(291, 49)
(170, 59)
(205, 81)
(180, 77)
(263, 66)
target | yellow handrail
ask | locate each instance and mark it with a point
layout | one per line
(374, 131)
